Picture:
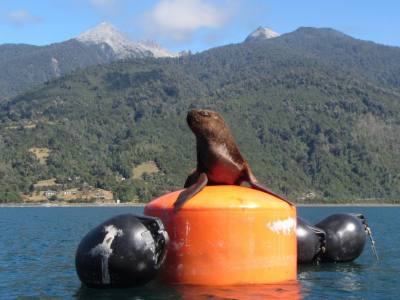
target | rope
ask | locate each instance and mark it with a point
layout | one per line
(369, 233)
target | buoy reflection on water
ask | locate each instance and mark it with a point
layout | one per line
(289, 290)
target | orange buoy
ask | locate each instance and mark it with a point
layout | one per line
(228, 235)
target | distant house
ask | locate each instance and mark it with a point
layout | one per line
(99, 196)
(69, 192)
(50, 193)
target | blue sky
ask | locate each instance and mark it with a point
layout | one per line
(195, 24)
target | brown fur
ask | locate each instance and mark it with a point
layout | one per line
(217, 153)
(218, 158)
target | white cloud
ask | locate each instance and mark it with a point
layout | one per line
(22, 17)
(103, 3)
(178, 19)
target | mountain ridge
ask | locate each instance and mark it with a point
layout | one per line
(24, 66)
(106, 33)
(261, 33)
(311, 119)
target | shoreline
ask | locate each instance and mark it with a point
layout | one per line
(50, 205)
(348, 205)
(47, 205)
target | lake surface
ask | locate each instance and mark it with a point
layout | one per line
(37, 252)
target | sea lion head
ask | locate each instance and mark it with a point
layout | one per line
(207, 124)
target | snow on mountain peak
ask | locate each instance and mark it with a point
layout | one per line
(123, 47)
(107, 34)
(100, 33)
(262, 33)
(156, 49)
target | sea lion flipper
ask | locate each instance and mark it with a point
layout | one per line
(192, 190)
(252, 180)
(192, 178)
(260, 187)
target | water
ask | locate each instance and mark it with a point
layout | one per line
(37, 251)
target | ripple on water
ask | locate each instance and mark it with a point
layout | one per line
(37, 252)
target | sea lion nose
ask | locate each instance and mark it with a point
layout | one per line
(192, 112)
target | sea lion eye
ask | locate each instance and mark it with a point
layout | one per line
(204, 113)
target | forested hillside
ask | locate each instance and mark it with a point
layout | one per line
(316, 113)
(26, 66)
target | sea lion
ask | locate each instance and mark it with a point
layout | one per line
(219, 161)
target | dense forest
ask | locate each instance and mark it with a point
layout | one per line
(24, 66)
(315, 112)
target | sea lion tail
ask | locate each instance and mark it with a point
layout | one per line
(252, 180)
(260, 187)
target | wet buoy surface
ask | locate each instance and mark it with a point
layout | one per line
(228, 235)
(126, 250)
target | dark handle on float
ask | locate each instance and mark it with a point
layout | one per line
(163, 241)
(160, 235)
(369, 233)
(322, 238)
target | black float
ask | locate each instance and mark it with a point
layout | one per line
(337, 238)
(345, 237)
(310, 242)
(126, 250)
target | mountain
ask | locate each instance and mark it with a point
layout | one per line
(261, 33)
(315, 112)
(106, 34)
(25, 66)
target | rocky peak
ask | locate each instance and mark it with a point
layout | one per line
(261, 33)
(123, 47)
